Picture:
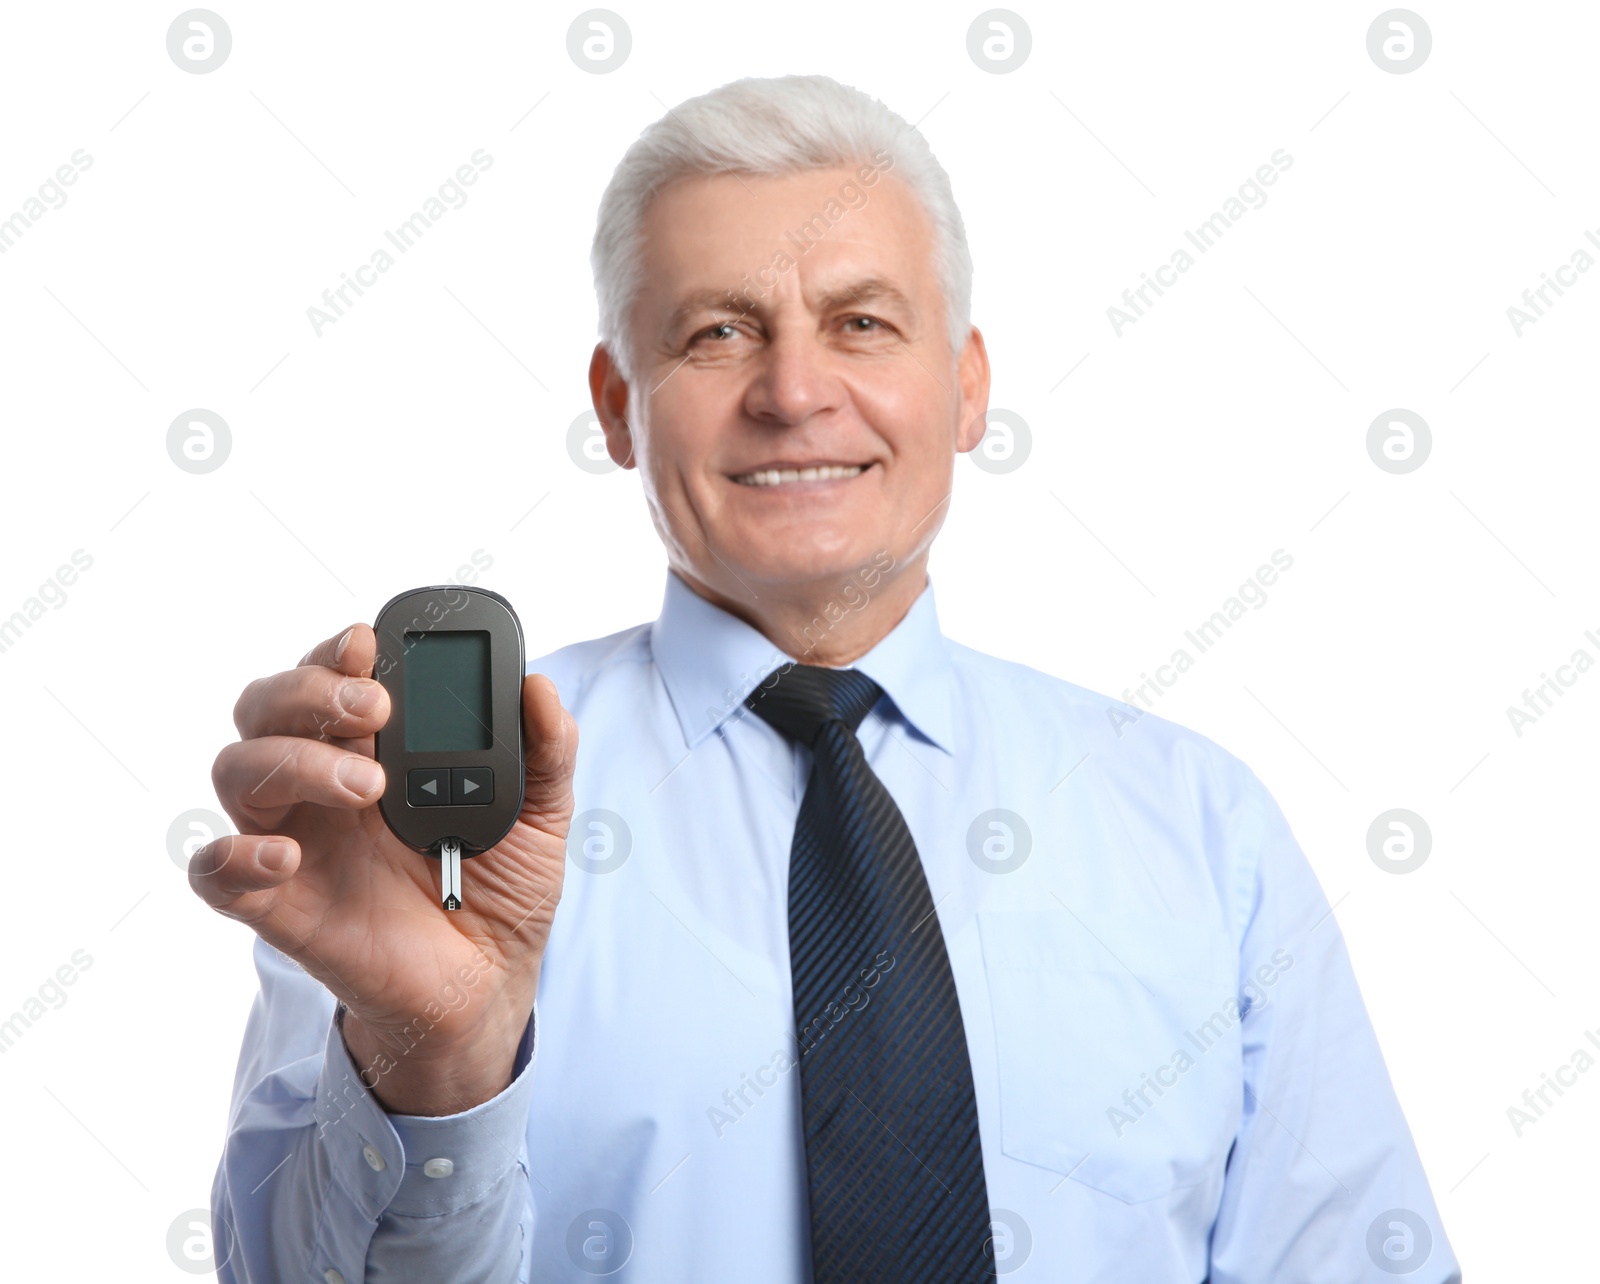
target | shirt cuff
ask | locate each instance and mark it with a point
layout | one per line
(453, 1161)
(416, 1165)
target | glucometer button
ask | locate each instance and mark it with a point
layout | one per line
(428, 787)
(471, 786)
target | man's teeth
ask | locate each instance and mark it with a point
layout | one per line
(773, 476)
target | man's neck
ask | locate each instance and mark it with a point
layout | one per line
(824, 623)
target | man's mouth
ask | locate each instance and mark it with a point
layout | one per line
(778, 475)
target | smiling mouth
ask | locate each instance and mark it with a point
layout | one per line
(811, 473)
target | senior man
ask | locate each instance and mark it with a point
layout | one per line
(841, 952)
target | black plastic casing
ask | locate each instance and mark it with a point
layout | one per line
(438, 608)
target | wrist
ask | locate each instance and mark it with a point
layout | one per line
(438, 1076)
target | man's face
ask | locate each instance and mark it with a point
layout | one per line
(753, 368)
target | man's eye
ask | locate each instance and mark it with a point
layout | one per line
(726, 330)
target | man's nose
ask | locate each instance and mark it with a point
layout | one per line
(792, 380)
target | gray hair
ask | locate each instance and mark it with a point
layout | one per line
(770, 126)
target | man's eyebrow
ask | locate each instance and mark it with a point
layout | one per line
(707, 300)
(870, 289)
(858, 293)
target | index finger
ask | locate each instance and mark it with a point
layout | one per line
(351, 653)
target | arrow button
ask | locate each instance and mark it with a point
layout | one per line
(428, 787)
(471, 786)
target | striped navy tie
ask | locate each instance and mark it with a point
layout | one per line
(890, 1116)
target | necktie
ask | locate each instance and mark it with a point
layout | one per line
(889, 1114)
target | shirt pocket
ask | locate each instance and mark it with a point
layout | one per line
(1118, 1045)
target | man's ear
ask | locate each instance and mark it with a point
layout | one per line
(972, 378)
(609, 391)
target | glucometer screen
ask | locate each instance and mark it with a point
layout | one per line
(447, 691)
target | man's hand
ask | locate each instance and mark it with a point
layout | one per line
(315, 872)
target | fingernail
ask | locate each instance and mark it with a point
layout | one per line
(272, 857)
(359, 696)
(360, 776)
(338, 651)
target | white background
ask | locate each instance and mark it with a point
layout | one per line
(424, 425)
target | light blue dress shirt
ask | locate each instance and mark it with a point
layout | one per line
(1176, 1078)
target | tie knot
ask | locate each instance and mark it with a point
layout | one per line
(800, 699)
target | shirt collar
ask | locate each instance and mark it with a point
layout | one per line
(711, 660)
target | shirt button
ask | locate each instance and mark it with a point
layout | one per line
(332, 1276)
(375, 1161)
(438, 1168)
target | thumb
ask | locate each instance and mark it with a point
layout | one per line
(240, 875)
(550, 750)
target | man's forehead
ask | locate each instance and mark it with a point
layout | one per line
(825, 291)
(707, 246)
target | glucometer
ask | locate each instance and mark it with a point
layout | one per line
(451, 660)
